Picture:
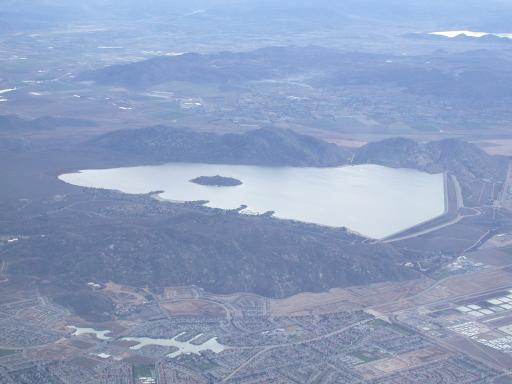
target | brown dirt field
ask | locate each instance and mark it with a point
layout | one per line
(452, 288)
(405, 361)
(335, 300)
(498, 241)
(123, 294)
(193, 307)
(475, 282)
(496, 257)
(346, 299)
(179, 293)
(496, 147)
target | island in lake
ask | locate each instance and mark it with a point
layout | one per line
(216, 181)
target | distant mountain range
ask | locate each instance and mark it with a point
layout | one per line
(463, 36)
(220, 68)
(477, 76)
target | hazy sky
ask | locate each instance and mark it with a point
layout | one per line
(495, 14)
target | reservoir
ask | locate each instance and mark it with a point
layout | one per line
(102, 335)
(184, 347)
(372, 200)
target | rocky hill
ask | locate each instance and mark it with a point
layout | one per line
(484, 77)
(280, 147)
(217, 68)
(458, 157)
(216, 181)
(266, 146)
(148, 243)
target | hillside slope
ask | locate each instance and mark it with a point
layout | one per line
(266, 146)
(458, 157)
(147, 243)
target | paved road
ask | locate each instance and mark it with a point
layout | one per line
(506, 195)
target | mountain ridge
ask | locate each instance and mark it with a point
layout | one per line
(264, 146)
(458, 157)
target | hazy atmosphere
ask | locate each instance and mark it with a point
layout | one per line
(255, 191)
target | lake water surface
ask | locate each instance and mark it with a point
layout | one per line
(102, 335)
(372, 200)
(184, 347)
